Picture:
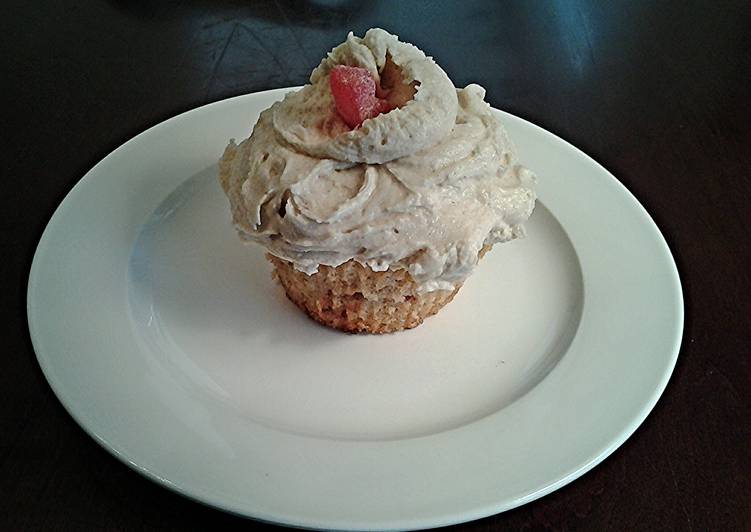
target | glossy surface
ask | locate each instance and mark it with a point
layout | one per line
(655, 92)
(163, 337)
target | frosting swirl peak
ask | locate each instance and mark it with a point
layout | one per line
(305, 120)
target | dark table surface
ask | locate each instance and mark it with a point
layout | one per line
(658, 92)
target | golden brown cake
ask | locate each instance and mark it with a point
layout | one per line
(353, 298)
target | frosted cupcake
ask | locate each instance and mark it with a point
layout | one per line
(376, 188)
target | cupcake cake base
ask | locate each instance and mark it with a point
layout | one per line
(353, 298)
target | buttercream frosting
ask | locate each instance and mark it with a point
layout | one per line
(423, 187)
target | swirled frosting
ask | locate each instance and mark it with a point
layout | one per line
(423, 187)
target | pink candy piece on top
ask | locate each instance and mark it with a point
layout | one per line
(354, 91)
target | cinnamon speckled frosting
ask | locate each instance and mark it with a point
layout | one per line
(423, 187)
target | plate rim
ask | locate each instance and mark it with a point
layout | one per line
(476, 513)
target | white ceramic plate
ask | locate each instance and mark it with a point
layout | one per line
(167, 341)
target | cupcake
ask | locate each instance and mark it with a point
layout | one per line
(376, 189)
